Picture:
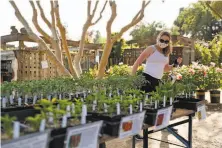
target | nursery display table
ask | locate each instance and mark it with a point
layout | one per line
(177, 114)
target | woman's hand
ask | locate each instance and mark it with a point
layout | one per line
(179, 60)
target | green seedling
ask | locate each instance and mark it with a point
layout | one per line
(7, 125)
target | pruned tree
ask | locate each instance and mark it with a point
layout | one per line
(111, 40)
(89, 22)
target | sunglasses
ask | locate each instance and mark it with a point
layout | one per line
(163, 41)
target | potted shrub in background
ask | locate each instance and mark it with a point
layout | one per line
(200, 77)
(214, 83)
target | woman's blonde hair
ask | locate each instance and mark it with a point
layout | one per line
(168, 49)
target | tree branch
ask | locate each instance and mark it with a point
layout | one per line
(62, 31)
(110, 21)
(36, 24)
(40, 41)
(212, 9)
(89, 8)
(95, 7)
(43, 15)
(138, 17)
(100, 13)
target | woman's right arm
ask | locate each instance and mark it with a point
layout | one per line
(145, 54)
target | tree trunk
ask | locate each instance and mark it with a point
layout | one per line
(104, 59)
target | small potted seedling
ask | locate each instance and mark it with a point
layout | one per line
(7, 132)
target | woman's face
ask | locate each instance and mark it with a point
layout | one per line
(163, 41)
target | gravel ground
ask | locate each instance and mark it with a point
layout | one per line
(206, 134)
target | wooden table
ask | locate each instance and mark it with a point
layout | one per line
(177, 114)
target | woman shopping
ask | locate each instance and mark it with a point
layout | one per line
(157, 62)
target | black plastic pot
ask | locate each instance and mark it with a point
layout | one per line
(215, 96)
(151, 113)
(20, 112)
(57, 138)
(200, 94)
(110, 123)
(188, 103)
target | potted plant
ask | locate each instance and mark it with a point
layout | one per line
(214, 83)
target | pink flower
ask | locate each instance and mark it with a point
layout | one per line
(192, 71)
(179, 76)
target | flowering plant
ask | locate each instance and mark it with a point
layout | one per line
(214, 78)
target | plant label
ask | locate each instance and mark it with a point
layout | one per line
(94, 105)
(155, 104)
(73, 108)
(131, 109)
(58, 106)
(131, 125)
(49, 97)
(201, 112)
(68, 114)
(141, 106)
(36, 140)
(19, 101)
(70, 96)
(42, 125)
(84, 113)
(118, 108)
(105, 108)
(11, 99)
(60, 96)
(26, 99)
(64, 121)
(162, 118)
(164, 101)
(34, 99)
(3, 102)
(78, 137)
(186, 95)
(16, 129)
(44, 64)
(50, 117)
(171, 100)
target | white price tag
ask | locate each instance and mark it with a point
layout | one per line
(131, 109)
(84, 136)
(201, 112)
(131, 125)
(162, 118)
(44, 64)
(36, 140)
(60, 96)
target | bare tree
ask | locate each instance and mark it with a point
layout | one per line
(111, 40)
(88, 23)
(40, 41)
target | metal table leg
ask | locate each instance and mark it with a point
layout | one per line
(190, 131)
(133, 142)
(102, 145)
(145, 138)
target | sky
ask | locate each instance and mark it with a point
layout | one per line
(74, 12)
